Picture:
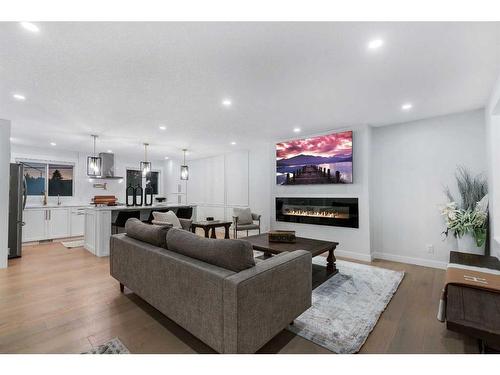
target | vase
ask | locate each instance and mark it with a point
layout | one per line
(467, 244)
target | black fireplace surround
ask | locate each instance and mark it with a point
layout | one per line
(337, 212)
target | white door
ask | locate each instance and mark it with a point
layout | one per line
(77, 221)
(34, 228)
(58, 223)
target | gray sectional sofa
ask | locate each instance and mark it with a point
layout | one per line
(212, 288)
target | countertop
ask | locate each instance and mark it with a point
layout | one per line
(132, 208)
(62, 205)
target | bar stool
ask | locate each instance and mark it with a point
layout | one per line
(122, 218)
(184, 212)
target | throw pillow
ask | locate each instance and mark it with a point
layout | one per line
(168, 217)
(244, 215)
(234, 255)
(154, 234)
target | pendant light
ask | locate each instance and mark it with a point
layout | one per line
(145, 165)
(184, 168)
(94, 163)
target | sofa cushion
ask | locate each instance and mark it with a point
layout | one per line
(244, 215)
(234, 255)
(153, 234)
(168, 217)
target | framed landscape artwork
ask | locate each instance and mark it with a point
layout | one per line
(326, 159)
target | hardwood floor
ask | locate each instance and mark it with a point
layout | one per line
(58, 300)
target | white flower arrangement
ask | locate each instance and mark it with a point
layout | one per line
(467, 221)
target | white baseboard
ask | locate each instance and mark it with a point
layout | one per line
(417, 261)
(353, 255)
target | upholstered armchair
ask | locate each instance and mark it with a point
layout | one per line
(245, 219)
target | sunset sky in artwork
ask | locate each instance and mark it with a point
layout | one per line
(325, 145)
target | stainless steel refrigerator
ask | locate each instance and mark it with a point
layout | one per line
(17, 202)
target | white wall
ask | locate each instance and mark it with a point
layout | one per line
(83, 188)
(411, 164)
(174, 188)
(492, 114)
(4, 189)
(218, 184)
(353, 242)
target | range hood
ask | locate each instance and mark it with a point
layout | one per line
(108, 166)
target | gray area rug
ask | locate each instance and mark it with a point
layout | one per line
(346, 307)
(113, 346)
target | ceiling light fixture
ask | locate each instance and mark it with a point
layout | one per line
(296, 130)
(233, 143)
(53, 144)
(166, 157)
(94, 163)
(30, 27)
(110, 151)
(184, 168)
(19, 97)
(227, 102)
(163, 127)
(375, 44)
(407, 106)
(145, 166)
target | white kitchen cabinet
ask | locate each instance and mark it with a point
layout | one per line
(35, 225)
(52, 223)
(90, 231)
(77, 224)
(58, 223)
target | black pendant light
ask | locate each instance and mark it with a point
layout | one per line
(145, 165)
(184, 168)
(94, 163)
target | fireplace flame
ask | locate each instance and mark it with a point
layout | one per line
(312, 213)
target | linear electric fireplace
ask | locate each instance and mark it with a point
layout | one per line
(338, 212)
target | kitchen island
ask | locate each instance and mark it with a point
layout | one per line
(98, 222)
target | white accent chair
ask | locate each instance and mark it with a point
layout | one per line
(244, 219)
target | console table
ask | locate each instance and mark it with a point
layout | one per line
(474, 312)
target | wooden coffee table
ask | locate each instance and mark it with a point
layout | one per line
(207, 225)
(260, 242)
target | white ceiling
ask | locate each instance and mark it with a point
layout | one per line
(122, 80)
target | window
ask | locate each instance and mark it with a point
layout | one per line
(59, 180)
(152, 180)
(35, 174)
(134, 178)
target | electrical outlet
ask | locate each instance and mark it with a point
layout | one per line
(430, 249)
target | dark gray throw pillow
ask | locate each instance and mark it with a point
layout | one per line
(154, 234)
(234, 255)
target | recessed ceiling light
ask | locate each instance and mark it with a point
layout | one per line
(53, 144)
(375, 44)
(296, 130)
(110, 151)
(166, 157)
(163, 127)
(233, 143)
(30, 27)
(227, 102)
(19, 97)
(407, 106)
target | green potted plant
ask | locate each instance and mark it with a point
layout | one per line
(467, 219)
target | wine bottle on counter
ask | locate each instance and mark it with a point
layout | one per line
(138, 194)
(130, 195)
(148, 196)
